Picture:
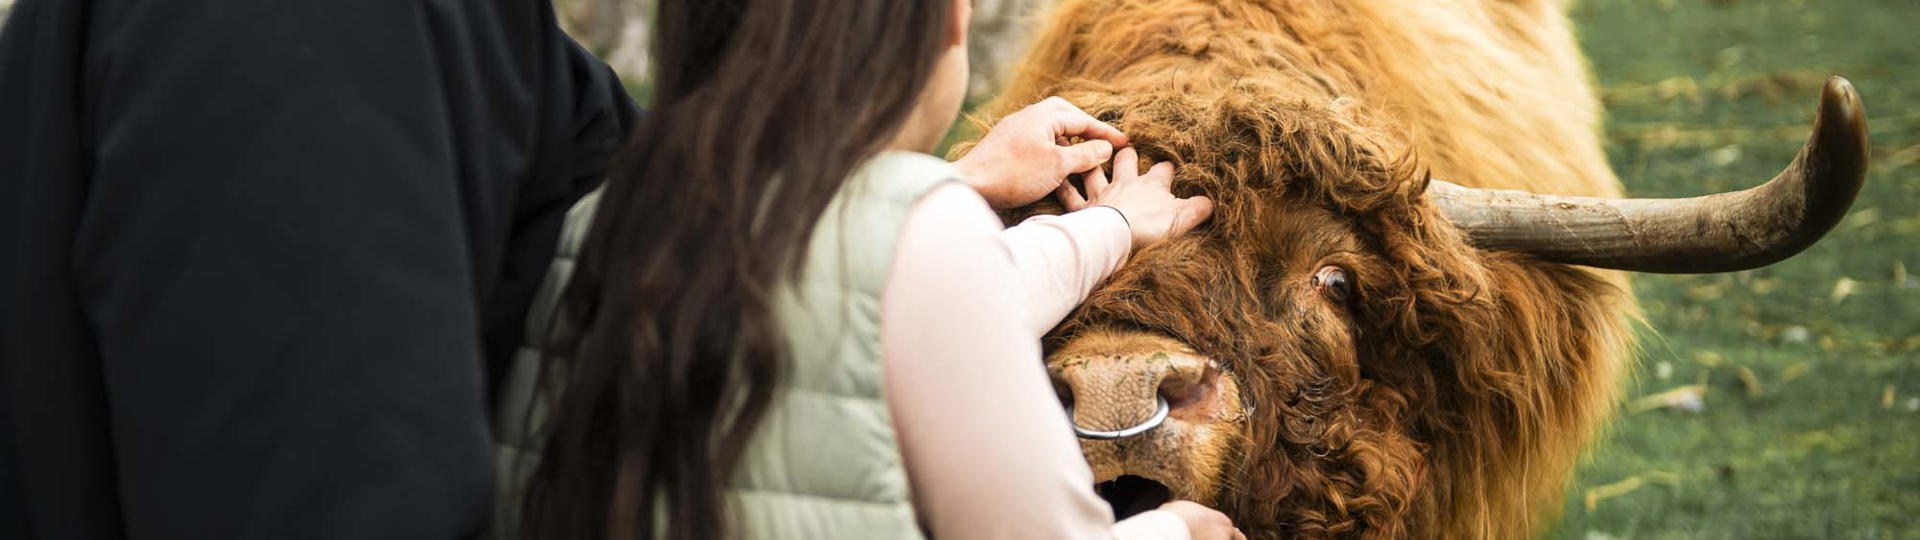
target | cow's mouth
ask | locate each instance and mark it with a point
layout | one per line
(1129, 495)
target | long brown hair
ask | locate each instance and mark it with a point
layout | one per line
(666, 353)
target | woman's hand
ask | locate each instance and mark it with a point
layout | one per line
(1204, 523)
(1022, 159)
(1145, 200)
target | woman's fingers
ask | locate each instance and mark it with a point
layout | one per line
(1126, 165)
(1086, 155)
(1070, 198)
(1096, 182)
(1203, 523)
(1026, 156)
(1193, 211)
(1126, 168)
(1161, 174)
(1070, 121)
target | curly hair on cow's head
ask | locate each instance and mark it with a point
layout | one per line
(1326, 456)
(1437, 387)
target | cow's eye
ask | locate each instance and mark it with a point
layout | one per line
(1332, 281)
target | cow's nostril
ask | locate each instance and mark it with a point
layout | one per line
(1132, 390)
(1190, 385)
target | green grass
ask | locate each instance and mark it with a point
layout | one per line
(1826, 443)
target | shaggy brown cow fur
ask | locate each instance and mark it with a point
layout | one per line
(1449, 392)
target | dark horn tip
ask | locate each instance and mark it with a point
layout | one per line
(1840, 87)
(1840, 135)
(1841, 112)
(1831, 169)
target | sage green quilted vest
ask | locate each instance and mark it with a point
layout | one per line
(824, 463)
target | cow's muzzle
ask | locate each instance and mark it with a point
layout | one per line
(1123, 388)
(1157, 419)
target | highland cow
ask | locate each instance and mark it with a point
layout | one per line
(1408, 314)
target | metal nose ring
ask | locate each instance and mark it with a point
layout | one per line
(1159, 417)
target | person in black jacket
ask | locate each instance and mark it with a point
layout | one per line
(260, 260)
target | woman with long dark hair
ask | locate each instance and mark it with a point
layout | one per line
(788, 321)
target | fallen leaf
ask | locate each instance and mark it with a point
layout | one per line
(1906, 226)
(1815, 440)
(1724, 156)
(1749, 380)
(1689, 398)
(1796, 334)
(1863, 217)
(1678, 87)
(1843, 288)
(1794, 372)
(1886, 397)
(1600, 493)
(1909, 344)
(1900, 158)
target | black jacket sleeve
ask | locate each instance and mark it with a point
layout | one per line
(255, 254)
(590, 121)
(276, 259)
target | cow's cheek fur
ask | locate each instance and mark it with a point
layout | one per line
(1213, 445)
(1325, 453)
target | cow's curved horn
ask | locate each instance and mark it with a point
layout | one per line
(1722, 232)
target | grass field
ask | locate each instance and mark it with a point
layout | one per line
(1807, 423)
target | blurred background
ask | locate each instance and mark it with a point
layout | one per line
(616, 30)
(1782, 402)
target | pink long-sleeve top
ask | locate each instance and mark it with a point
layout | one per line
(987, 446)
